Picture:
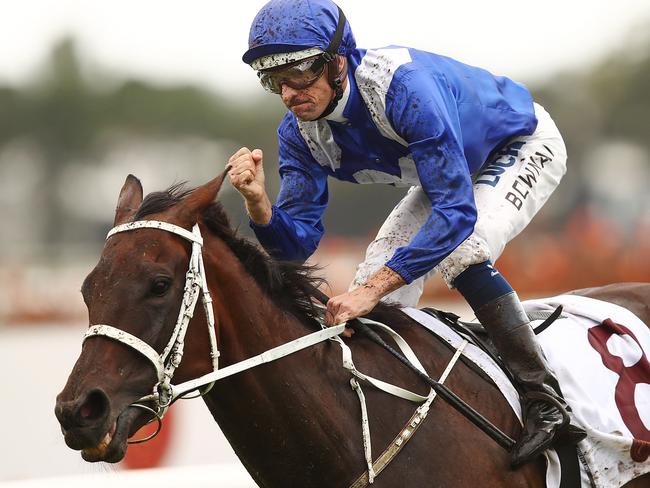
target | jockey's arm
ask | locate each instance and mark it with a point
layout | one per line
(444, 177)
(362, 300)
(291, 228)
(432, 134)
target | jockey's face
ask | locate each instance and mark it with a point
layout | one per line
(309, 103)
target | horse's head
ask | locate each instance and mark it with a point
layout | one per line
(137, 287)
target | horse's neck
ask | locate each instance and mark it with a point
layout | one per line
(295, 421)
(274, 414)
(249, 321)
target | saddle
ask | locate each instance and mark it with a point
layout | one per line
(476, 334)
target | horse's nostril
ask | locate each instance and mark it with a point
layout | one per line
(86, 411)
(95, 406)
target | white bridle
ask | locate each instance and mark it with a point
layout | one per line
(165, 364)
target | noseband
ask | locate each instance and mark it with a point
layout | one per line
(165, 364)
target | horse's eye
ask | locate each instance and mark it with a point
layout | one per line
(160, 286)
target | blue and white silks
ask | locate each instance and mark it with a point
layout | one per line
(411, 118)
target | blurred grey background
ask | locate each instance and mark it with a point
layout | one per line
(93, 91)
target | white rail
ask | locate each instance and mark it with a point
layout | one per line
(212, 476)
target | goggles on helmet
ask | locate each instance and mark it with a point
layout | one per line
(298, 75)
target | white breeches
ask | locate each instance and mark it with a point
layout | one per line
(508, 192)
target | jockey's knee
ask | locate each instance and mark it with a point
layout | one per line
(471, 251)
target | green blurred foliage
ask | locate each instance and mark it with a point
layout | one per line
(66, 114)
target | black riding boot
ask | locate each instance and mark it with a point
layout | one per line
(545, 418)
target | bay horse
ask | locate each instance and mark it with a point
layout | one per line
(293, 422)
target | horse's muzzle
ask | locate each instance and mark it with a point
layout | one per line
(84, 420)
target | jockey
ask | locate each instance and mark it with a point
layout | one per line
(480, 158)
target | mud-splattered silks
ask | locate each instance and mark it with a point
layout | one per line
(411, 118)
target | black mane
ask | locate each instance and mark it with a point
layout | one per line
(289, 285)
(159, 201)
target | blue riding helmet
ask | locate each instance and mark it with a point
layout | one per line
(291, 26)
(287, 31)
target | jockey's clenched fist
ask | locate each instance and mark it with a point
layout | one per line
(247, 176)
(247, 173)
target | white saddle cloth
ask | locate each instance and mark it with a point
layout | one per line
(611, 402)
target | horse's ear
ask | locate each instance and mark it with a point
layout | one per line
(129, 200)
(188, 211)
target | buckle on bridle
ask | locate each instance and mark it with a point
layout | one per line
(164, 395)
